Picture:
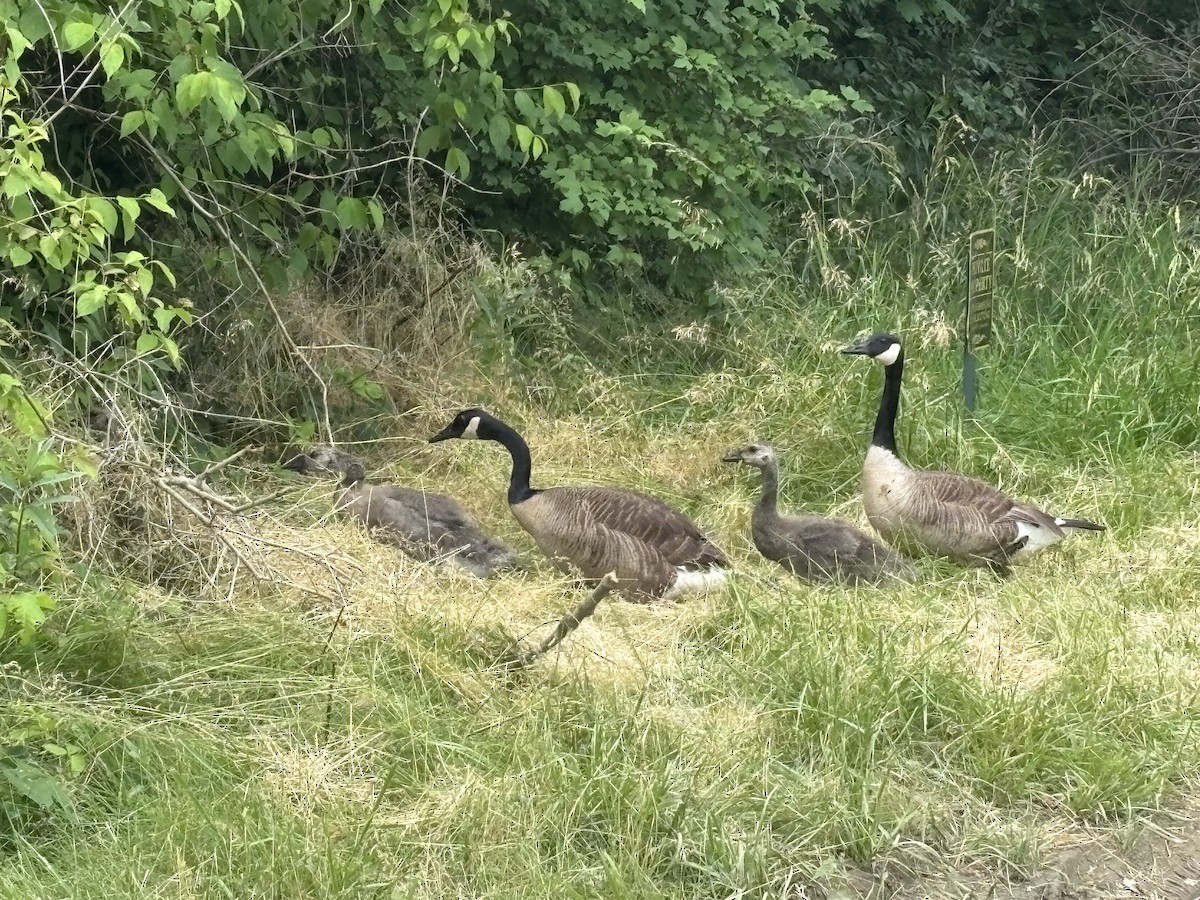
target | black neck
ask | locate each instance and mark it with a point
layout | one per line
(770, 487)
(885, 422)
(518, 484)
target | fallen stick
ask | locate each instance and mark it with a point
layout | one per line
(571, 620)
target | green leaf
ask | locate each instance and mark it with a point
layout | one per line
(76, 34)
(552, 102)
(524, 137)
(430, 139)
(573, 90)
(15, 183)
(42, 518)
(170, 276)
(499, 131)
(192, 89)
(457, 163)
(525, 106)
(164, 316)
(111, 58)
(91, 300)
(132, 121)
(226, 89)
(351, 213)
(104, 212)
(18, 255)
(52, 251)
(129, 213)
(17, 41)
(32, 783)
(147, 343)
(375, 208)
(158, 200)
(298, 263)
(172, 350)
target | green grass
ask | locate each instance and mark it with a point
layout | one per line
(257, 743)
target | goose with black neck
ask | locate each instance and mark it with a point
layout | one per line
(944, 513)
(655, 550)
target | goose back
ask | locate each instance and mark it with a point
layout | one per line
(605, 529)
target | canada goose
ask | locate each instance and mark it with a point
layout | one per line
(425, 525)
(815, 548)
(943, 512)
(654, 550)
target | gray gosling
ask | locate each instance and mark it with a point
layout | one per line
(655, 550)
(815, 548)
(944, 513)
(429, 527)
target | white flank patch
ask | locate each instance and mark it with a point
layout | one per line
(1039, 539)
(888, 356)
(688, 580)
(472, 429)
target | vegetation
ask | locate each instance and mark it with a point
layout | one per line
(641, 239)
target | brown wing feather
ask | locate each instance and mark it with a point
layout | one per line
(964, 517)
(598, 530)
(647, 520)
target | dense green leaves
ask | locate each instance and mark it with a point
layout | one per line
(663, 135)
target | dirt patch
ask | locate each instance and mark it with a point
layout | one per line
(1163, 864)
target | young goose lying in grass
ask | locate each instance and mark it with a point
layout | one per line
(814, 548)
(655, 550)
(948, 514)
(427, 526)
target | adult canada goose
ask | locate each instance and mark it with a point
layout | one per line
(655, 550)
(815, 548)
(425, 525)
(943, 512)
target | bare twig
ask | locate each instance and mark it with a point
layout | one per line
(571, 620)
(174, 486)
(222, 463)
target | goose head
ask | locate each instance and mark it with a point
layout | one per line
(758, 455)
(326, 460)
(469, 424)
(882, 347)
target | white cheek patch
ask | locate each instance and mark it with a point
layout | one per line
(472, 429)
(1039, 538)
(688, 581)
(888, 356)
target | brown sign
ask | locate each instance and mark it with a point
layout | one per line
(980, 281)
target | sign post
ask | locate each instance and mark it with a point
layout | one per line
(978, 326)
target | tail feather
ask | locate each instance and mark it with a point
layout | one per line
(1082, 524)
